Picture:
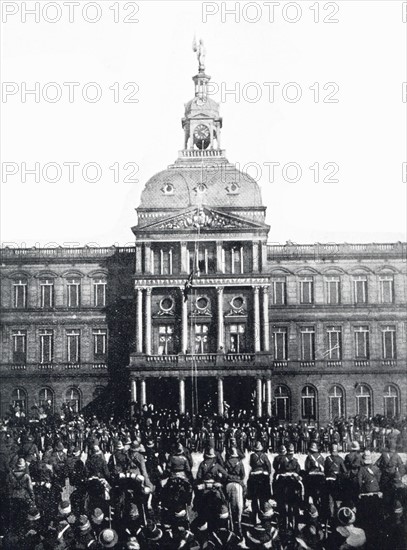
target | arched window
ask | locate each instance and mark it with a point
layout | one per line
(390, 401)
(309, 403)
(46, 399)
(363, 400)
(336, 403)
(282, 403)
(19, 401)
(73, 399)
(98, 391)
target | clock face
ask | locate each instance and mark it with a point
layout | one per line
(202, 136)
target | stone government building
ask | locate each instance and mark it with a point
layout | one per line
(307, 332)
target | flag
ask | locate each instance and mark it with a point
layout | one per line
(188, 285)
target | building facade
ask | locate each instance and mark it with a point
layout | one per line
(202, 312)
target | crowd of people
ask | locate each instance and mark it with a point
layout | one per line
(161, 480)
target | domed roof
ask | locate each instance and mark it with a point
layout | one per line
(217, 185)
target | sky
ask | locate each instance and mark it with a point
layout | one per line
(318, 92)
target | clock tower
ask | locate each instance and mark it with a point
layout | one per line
(201, 123)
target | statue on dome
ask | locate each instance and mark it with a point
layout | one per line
(200, 50)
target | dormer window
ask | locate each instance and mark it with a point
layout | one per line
(168, 189)
(233, 189)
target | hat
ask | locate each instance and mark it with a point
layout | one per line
(64, 507)
(59, 446)
(119, 446)
(258, 536)
(33, 514)
(83, 524)
(346, 516)
(96, 450)
(20, 466)
(210, 453)
(224, 512)
(313, 448)
(334, 448)
(180, 513)
(152, 532)
(355, 446)
(258, 446)
(108, 538)
(367, 457)
(150, 444)
(97, 515)
(290, 449)
(132, 544)
(282, 449)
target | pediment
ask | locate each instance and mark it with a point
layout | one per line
(203, 219)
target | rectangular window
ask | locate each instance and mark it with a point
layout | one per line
(74, 292)
(99, 344)
(73, 346)
(99, 292)
(237, 342)
(333, 290)
(47, 293)
(308, 344)
(389, 342)
(280, 344)
(362, 343)
(19, 346)
(165, 340)
(386, 290)
(334, 352)
(279, 292)
(46, 346)
(20, 294)
(306, 290)
(201, 338)
(360, 290)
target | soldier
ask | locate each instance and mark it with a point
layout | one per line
(118, 465)
(258, 485)
(84, 536)
(392, 469)
(178, 464)
(353, 463)
(20, 493)
(335, 472)
(370, 505)
(222, 537)
(315, 485)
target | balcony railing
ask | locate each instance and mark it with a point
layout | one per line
(188, 153)
(331, 250)
(362, 363)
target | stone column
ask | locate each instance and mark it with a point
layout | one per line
(181, 396)
(147, 258)
(266, 328)
(219, 266)
(143, 396)
(220, 396)
(184, 258)
(139, 263)
(257, 331)
(221, 326)
(148, 321)
(268, 397)
(255, 252)
(184, 323)
(133, 390)
(259, 396)
(139, 320)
